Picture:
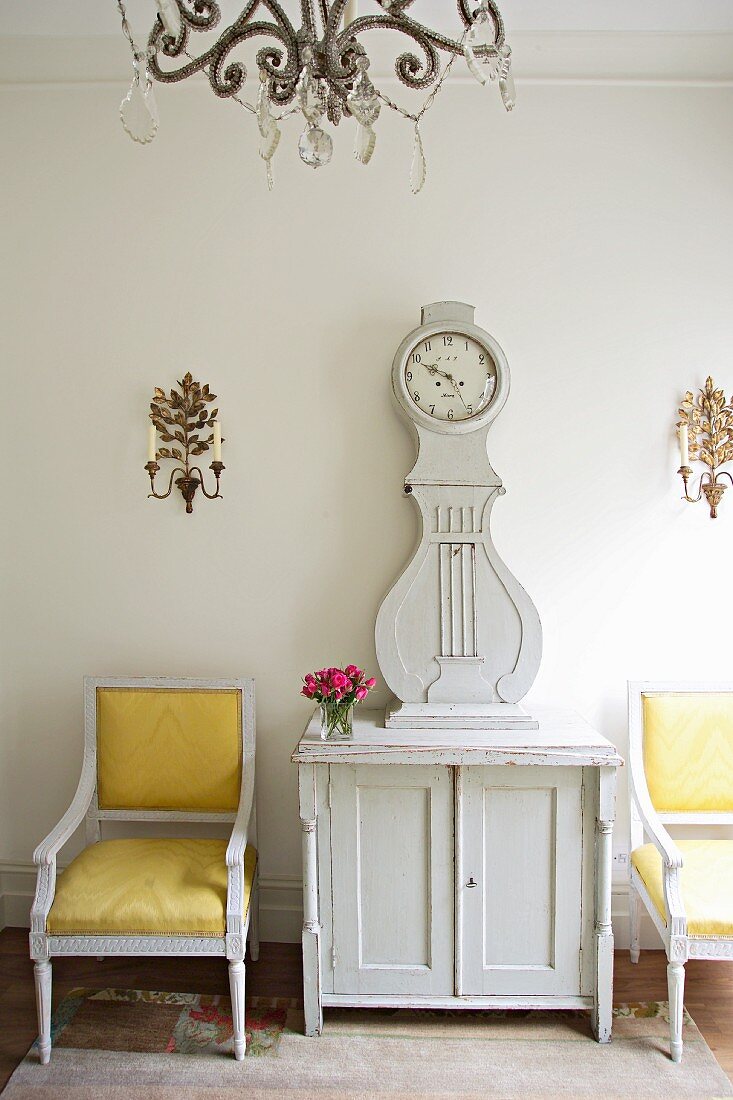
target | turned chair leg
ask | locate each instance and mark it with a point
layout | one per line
(254, 920)
(634, 924)
(236, 989)
(676, 986)
(42, 977)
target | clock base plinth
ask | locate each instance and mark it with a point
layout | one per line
(458, 716)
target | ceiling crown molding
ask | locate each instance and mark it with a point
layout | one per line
(545, 57)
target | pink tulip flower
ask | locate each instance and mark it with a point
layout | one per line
(361, 693)
(371, 682)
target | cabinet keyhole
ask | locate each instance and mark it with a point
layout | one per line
(470, 884)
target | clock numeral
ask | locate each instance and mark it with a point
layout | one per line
(466, 345)
(428, 346)
(481, 358)
(447, 341)
(416, 395)
(469, 410)
(416, 357)
(432, 410)
(408, 376)
(450, 414)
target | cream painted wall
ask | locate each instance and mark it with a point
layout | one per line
(593, 231)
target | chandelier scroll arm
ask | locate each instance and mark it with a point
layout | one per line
(414, 72)
(227, 79)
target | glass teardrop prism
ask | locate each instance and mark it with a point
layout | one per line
(270, 141)
(139, 114)
(508, 90)
(170, 16)
(311, 97)
(366, 139)
(419, 169)
(482, 56)
(363, 101)
(315, 147)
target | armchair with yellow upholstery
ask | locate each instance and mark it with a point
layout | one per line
(167, 751)
(681, 773)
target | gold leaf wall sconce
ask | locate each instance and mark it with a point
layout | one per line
(705, 431)
(182, 420)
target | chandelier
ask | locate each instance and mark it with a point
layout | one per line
(319, 71)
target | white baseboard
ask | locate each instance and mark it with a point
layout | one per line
(281, 906)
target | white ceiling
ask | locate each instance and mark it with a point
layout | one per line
(101, 17)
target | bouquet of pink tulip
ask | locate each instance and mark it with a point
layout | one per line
(337, 691)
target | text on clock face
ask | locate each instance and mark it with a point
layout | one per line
(450, 376)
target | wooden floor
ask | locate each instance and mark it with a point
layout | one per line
(708, 993)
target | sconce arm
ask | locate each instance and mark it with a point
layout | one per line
(162, 496)
(199, 471)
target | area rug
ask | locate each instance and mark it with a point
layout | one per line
(116, 1044)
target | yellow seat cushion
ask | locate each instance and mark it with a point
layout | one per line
(167, 749)
(706, 882)
(147, 886)
(688, 750)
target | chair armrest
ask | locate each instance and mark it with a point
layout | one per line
(236, 849)
(45, 854)
(672, 861)
(654, 827)
(72, 819)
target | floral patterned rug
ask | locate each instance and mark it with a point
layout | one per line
(156, 1023)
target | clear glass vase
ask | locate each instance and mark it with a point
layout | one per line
(337, 722)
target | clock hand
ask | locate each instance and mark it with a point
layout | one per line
(432, 369)
(454, 384)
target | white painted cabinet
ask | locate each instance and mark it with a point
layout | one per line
(453, 870)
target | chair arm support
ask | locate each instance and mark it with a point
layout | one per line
(655, 829)
(45, 854)
(238, 839)
(672, 861)
(236, 849)
(46, 851)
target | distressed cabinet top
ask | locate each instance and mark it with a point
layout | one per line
(563, 737)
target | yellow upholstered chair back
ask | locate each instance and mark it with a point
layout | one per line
(688, 750)
(168, 748)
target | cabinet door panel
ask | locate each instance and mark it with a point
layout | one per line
(520, 843)
(392, 879)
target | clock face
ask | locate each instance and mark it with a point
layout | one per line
(450, 376)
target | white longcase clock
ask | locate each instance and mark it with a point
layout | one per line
(458, 639)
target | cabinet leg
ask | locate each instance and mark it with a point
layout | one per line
(312, 982)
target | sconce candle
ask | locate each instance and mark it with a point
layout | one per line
(684, 446)
(180, 419)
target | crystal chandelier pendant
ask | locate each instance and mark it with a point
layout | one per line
(364, 144)
(419, 168)
(269, 129)
(508, 89)
(315, 147)
(310, 92)
(484, 65)
(364, 105)
(139, 111)
(170, 17)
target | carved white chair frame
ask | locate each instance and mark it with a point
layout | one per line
(645, 819)
(84, 808)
